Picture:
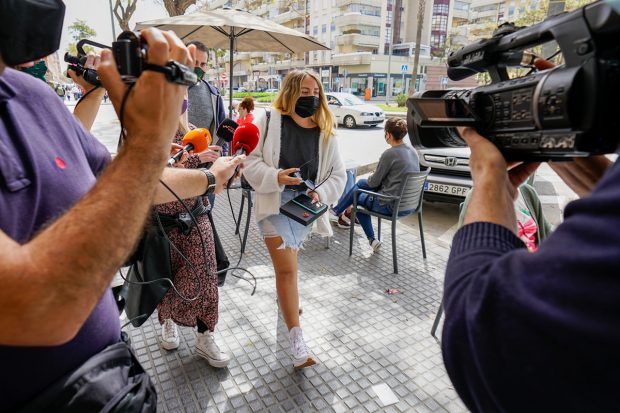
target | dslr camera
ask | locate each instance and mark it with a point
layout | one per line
(567, 111)
(130, 53)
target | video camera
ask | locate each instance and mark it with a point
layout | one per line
(130, 54)
(567, 111)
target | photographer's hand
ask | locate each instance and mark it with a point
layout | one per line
(151, 112)
(86, 111)
(582, 174)
(495, 188)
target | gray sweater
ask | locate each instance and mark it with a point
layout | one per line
(393, 165)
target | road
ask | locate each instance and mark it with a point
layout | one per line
(364, 146)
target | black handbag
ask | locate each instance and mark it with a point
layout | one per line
(220, 255)
(152, 264)
(111, 381)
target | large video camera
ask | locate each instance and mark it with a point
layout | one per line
(130, 54)
(567, 111)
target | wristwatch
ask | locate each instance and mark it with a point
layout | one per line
(210, 181)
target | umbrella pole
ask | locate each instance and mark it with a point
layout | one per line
(230, 55)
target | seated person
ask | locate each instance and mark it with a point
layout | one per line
(394, 163)
(532, 226)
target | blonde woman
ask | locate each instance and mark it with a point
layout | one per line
(296, 137)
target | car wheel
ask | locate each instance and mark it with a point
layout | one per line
(349, 121)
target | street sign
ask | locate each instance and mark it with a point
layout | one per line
(223, 76)
(404, 68)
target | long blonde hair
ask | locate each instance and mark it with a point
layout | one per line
(291, 90)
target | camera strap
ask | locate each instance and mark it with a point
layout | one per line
(175, 72)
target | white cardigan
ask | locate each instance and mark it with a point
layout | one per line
(261, 171)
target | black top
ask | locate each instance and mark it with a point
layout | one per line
(299, 148)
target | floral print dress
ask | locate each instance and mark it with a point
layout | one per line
(193, 274)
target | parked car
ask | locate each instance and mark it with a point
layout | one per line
(450, 178)
(351, 111)
(239, 89)
(272, 90)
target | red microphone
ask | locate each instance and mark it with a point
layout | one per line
(196, 140)
(245, 139)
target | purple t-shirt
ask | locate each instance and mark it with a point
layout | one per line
(47, 163)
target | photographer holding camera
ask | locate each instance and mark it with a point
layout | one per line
(71, 217)
(534, 331)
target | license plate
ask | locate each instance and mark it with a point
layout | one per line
(446, 189)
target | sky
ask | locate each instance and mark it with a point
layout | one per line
(96, 13)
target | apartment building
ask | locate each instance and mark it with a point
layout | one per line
(359, 34)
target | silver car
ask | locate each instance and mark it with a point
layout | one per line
(351, 111)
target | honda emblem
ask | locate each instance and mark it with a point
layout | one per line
(450, 161)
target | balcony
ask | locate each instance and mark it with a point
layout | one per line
(358, 40)
(356, 18)
(361, 58)
(285, 64)
(345, 3)
(460, 14)
(289, 16)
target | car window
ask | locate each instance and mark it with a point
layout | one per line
(332, 100)
(352, 100)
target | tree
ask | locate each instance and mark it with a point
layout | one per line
(418, 40)
(177, 7)
(79, 30)
(123, 10)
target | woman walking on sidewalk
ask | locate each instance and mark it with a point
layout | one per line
(297, 136)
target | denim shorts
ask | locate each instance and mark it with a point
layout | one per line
(292, 233)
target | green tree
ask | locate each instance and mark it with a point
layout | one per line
(79, 30)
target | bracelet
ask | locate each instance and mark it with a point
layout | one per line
(210, 181)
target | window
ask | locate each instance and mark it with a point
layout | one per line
(460, 5)
(323, 28)
(315, 30)
(440, 9)
(332, 27)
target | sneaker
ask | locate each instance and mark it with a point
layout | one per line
(169, 335)
(299, 350)
(375, 244)
(208, 349)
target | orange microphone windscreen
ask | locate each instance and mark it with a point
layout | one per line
(200, 138)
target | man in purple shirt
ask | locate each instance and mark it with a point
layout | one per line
(538, 331)
(69, 218)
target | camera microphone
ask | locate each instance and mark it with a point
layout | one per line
(196, 140)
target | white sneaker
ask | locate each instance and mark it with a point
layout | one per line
(301, 355)
(375, 244)
(208, 349)
(169, 335)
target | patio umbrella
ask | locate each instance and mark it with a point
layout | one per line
(237, 30)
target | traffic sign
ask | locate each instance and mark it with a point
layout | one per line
(404, 68)
(223, 76)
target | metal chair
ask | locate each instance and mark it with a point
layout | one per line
(411, 194)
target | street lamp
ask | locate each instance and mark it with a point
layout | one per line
(112, 20)
(389, 71)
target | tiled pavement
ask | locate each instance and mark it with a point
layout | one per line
(360, 335)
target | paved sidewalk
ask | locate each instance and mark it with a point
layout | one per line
(361, 336)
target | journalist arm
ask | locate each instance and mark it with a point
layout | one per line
(52, 282)
(532, 329)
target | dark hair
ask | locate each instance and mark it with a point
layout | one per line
(199, 45)
(247, 103)
(397, 127)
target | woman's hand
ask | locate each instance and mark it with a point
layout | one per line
(210, 154)
(285, 179)
(174, 148)
(315, 197)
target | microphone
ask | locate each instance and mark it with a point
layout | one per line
(196, 140)
(244, 141)
(226, 130)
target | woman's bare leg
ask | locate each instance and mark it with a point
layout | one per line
(285, 266)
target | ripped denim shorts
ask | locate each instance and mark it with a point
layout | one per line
(292, 233)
